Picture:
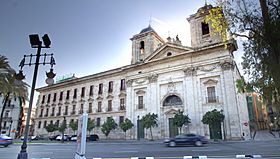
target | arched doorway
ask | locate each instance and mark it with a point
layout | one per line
(172, 103)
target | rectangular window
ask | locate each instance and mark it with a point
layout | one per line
(109, 105)
(47, 112)
(53, 109)
(45, 124)
(83, 92)
(75, 93)
(41, 114)
(99, 109)
(91, 90)
(67, 94)
(121, 119)
(49, 98)
(43, 99)
(39, 124)
(100, 90)
(122, 104)
(82, 109)
(205, 28)
(140, 102)
(73, 110)
(110, 90)
(59, 111)
(90, 108)
(66, 110)
(57, 123)
(211, 95)
(98, 121)
(61, 96)
(122, 84)
(54, 97)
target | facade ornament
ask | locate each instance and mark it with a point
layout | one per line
(208, 69)
(227, 65)
(171, 87)
(129, 83)
(140, 81)
(153, 78)
(190, 71)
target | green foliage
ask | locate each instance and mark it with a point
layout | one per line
(126, 125)
(243, 87)
(90, 125)
(51, 127)
(180, 119)
(150, 121)
(73, 125)
(9, 86)
(62, 127)
(257, 23)
(212, 117)
(108, 126)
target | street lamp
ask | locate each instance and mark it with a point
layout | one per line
(35, 43)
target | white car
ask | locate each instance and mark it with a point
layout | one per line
(65, 137)
(4, 136)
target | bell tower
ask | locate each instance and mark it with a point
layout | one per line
(201, 32)
(144, 44)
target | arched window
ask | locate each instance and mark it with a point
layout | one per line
(169, 54)
(172, 100)
(142, 47)
(205, 28)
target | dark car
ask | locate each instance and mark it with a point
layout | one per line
(93, 137)
(186, 139)
(53, 137)
(5, 141)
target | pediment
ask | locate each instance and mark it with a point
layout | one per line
(210, 82)
(171, 111)
(166, 51)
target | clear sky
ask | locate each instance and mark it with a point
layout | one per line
(87, 36)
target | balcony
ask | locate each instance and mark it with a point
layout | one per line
(213, 99)
(11, 106)
(81, 112)
(140, 106)
(7, 118)
(122, 107)
(99, 110)
(65, 113)
(73, 112)
(41, 115)
(89, 111)
(52, 114)
(58, 114)
(46, 115)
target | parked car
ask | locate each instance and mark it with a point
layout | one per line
(186, 139)
(53, 137)
(65, 138)
(34, 137)
(5, 140)
(93, 137)
(73, 138)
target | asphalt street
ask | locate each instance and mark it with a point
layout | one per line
(127, 149)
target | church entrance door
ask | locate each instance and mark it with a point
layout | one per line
(140, 130)
(173, 130)
(215, 131)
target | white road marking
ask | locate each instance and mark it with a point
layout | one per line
(125, 151)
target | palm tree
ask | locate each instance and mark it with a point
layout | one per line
(8, 87)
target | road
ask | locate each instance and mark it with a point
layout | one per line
(127, 149)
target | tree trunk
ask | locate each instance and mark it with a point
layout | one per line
(3, 109)
(151, 133)
(180, 130)
(125, 135)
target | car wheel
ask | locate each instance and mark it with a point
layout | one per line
(198, 143)
(5, 145)
(172, 144)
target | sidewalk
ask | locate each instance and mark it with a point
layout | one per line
(263, 135)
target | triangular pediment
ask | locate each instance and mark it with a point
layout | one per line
(167, 50)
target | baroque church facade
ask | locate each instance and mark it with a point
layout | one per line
(163, 78)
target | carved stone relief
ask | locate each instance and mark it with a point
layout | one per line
(190, 71)
(153, 78)
(129, 83)
(227, 65)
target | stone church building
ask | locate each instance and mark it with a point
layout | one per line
(164, 77)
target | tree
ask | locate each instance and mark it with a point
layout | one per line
(150, 121)
(126, 125)
(108, 126)
(212, 117)
(90, 125)
(51, 128)
(258, 23)
(8, 86)
(180, 119)
(62, 128)
(73, 125)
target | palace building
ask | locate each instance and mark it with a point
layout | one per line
(164, 77)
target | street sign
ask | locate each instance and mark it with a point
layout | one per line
(81, 137)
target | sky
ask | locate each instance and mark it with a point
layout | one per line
(88, 36)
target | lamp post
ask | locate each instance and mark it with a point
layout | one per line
(11, 122)
(35, 43)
